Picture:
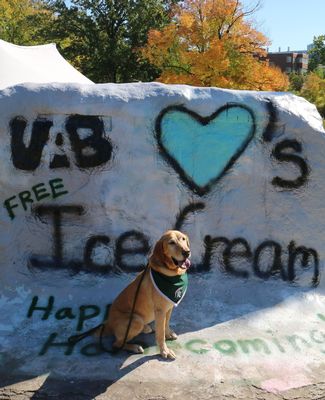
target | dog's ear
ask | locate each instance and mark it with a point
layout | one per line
(187, 241)
(158, 254)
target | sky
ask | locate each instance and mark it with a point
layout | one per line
(290, 23)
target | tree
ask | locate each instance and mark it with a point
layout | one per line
(211, 43)
(317, 53)
(296, 82)
(20, 20)
(314, 91)
(102, 37)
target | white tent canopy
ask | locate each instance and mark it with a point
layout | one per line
(38, 64)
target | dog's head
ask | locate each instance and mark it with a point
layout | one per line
(172, 251)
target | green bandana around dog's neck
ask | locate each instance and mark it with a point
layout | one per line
(173, 288)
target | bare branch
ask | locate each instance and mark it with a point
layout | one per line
(242, 14)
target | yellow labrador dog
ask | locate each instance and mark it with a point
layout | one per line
(161, 288)
(167, 267)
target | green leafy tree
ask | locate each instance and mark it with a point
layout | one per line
(317, 53)
(102, 37)
(320, 71)
(20, 20)
(314, 91)
(296, 82)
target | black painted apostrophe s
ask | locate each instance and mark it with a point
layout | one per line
(283, 153)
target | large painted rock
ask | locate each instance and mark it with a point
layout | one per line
(91, 176)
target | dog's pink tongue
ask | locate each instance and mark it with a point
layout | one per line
(187, 263)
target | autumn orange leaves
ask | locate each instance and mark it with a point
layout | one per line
(213, 43)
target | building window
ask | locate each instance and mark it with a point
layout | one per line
(289, 59)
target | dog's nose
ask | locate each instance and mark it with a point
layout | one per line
(186, 253)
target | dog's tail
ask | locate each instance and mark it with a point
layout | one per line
(76, 338)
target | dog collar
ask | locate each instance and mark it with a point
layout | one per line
(172, 288)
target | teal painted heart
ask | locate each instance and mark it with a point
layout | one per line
(202, 149)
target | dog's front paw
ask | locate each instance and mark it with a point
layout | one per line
(134, 348)
(167, 353)
(171, 335)
(139, 349)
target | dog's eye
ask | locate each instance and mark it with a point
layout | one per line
(183, 238)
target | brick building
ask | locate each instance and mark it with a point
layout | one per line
(290, 61)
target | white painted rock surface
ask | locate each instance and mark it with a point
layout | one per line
(91, 176)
